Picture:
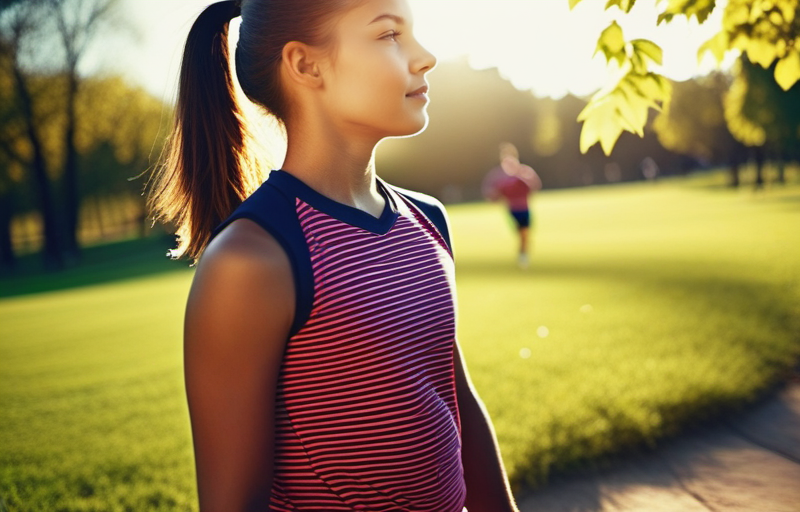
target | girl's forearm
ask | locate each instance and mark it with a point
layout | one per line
(486, 480)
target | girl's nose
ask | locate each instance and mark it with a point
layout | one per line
(424, 61)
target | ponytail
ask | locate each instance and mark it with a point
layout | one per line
(205, 173)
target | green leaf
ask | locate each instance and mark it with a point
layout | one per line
(638, 63)
(761, 52)
(612, 43)
(664, 84)
(648, 48)
(787, 71)
(631, 110)
(736, 14)
(787, 8)
(601, 125)
(573, 3)
(623, 108)
(701, 9)
(655, 87)
(629, 86)
(624, 5)
(717, 45)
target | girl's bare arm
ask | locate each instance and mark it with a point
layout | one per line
(487, 484)
(238, 315)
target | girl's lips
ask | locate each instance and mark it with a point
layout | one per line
(419, 93)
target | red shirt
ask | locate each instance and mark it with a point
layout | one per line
(513, 182)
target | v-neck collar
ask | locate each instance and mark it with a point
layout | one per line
(343, 212)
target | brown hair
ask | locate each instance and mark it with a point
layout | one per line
(206, 170)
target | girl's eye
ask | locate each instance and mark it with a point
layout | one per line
(392, 36)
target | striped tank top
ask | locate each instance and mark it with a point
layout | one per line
(366, 414)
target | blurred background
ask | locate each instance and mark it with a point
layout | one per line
(664, 286)
(88, 90)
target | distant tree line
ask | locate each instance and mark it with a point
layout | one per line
(64, 137)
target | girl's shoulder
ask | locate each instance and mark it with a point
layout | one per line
(245, 252)
(265, 232)
(431, 207)
(243, 272)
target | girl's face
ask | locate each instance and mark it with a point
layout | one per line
(374, 80)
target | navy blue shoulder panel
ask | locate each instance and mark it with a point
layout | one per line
(432, 208)
(275, 211)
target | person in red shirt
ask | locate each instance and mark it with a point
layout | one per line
(514, 182)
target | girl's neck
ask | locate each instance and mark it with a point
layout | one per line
(339, 168)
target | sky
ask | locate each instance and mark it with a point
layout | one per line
(539, 45)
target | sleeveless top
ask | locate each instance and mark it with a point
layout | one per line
(366, 415)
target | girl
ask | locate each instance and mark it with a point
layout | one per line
(322, 370)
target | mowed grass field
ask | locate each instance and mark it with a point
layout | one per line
(647, 307)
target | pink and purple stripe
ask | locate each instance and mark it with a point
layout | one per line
(366, 413)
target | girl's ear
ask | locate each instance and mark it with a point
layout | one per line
(301, 64)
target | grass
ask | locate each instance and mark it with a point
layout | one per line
(127, 259)
(647, 307)
(92, 398)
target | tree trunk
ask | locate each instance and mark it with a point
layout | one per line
(781, 165)
(8, 259)
(759, 160)
(53, 257)
(141, 218)
(99, 216)
(734, 170)
(72, 200)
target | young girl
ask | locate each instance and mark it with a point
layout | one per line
(321, 363)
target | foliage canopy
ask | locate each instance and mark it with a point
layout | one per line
(766, 31)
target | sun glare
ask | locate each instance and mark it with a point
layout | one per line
(539, 45)
(543, 46)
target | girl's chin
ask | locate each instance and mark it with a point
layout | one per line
(416, 126)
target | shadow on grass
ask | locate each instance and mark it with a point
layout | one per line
(99, 264)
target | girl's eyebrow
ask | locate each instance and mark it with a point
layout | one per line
(397, 19)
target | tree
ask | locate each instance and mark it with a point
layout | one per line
(18, 29)
(39, 117)
(693, 123)
(761, 114)
(8, 189)
(120, 130)
(77, 22)
(768, 31)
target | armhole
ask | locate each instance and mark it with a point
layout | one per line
(432, 209)
(286, 230)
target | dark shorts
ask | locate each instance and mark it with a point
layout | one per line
(522, 218)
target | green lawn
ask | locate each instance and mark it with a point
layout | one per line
(647, 307)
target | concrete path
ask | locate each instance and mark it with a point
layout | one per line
(748, 464)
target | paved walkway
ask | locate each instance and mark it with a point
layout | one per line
(749, 464)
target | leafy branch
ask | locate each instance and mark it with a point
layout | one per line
(768, 31)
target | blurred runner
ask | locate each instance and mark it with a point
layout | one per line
(514, 182)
